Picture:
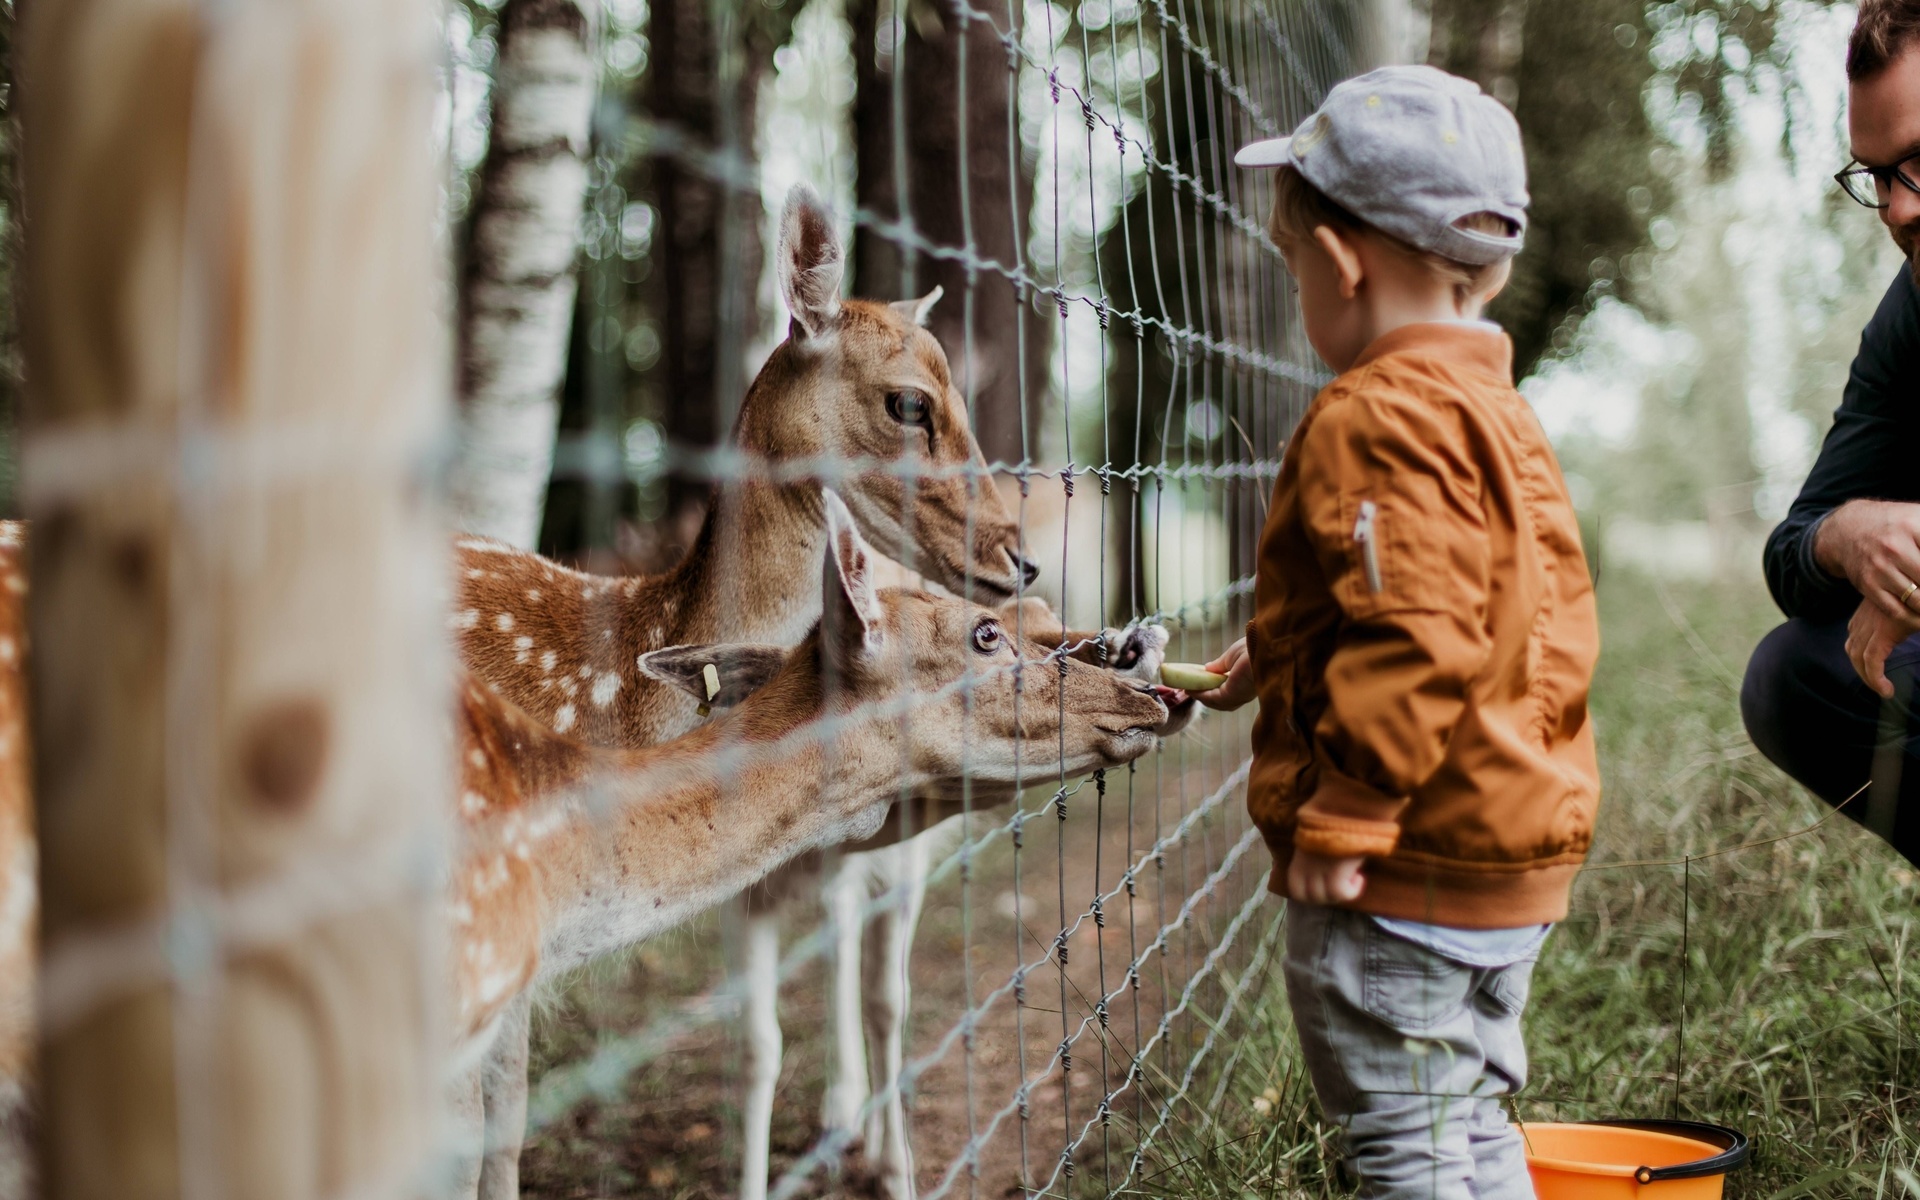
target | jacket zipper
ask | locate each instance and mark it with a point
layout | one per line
(1369, 551)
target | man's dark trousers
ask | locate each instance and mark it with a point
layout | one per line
(1808, 711)
(1805, 708)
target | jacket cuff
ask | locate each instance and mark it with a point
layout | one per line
(1816, 575)
(1344, 837)
(1345, 818)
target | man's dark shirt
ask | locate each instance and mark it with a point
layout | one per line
(1872, 452)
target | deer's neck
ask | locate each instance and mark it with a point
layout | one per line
(653, 838)
(754, 573)
(565, 646)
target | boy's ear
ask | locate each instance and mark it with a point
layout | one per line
(739, 670)
(1496, 282)
(1346, 259)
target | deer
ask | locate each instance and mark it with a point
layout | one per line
(572, 851)
(859, 388)
(856, 382)
(567, 851)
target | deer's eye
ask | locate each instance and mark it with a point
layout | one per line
(987, 638)
(910, 408)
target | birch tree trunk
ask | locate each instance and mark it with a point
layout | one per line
(239, 701)
(518, 283)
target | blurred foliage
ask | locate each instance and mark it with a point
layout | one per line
(1577, 77)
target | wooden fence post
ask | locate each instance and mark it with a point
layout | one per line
(236, 363)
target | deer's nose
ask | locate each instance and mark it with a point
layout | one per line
(1029, 569)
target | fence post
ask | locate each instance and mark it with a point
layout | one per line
(235, 353)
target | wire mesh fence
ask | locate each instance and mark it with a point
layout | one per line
(1121, 333)
(1039, 972)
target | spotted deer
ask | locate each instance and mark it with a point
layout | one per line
(568, 851)
(573, 851)
(859, 391)
(857, 383)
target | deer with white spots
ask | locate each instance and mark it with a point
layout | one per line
(858, 387)
(575, 851)
(856, 383)
(567, 852)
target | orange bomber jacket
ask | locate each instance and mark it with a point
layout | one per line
(1423, 639)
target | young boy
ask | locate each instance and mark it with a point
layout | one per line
(1423, 639)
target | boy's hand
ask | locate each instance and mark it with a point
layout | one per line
(1238, 689)
(1313, 879)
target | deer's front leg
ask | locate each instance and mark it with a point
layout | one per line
(503, 1081)
(468, 1108)
(888, 996)
(764, 1048)
(847, 1088)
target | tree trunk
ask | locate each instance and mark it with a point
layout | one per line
(239, 700)
(705, 286)
(910, 98)
(517, 284)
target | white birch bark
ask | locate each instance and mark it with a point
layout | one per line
(518, 284)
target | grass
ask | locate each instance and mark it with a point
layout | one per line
(1798, 1023)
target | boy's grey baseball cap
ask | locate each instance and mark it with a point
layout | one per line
(1411, 150)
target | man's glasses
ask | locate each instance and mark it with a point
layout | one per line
(1873, 186)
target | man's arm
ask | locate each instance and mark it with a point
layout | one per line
(1818, 557)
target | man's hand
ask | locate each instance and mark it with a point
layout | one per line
(1237, 666)
(1875, 545)
(1312, 879)
(1871, 636)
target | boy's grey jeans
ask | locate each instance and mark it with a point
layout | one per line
(1410, 1053)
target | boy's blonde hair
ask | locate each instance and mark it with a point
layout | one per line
(1298, 207)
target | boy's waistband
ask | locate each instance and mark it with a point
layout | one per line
(1462, 898)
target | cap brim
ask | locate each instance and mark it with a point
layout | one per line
(1273, 152)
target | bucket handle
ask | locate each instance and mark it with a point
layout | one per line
(1733, 1145)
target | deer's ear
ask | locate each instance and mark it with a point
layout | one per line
(739, 670)
(919, 310)
(850, 611)
(810, 263)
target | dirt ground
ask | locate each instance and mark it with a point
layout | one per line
(673, 1130)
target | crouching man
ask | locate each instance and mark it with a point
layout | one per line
(1830, 695)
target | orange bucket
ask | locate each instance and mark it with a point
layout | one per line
(1632, 1160)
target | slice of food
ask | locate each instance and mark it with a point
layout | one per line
(1189, 677)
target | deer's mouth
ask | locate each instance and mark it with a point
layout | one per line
(974, 582)
(1131, 739)
(984, 590)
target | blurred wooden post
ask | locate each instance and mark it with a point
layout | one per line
(236, 365)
